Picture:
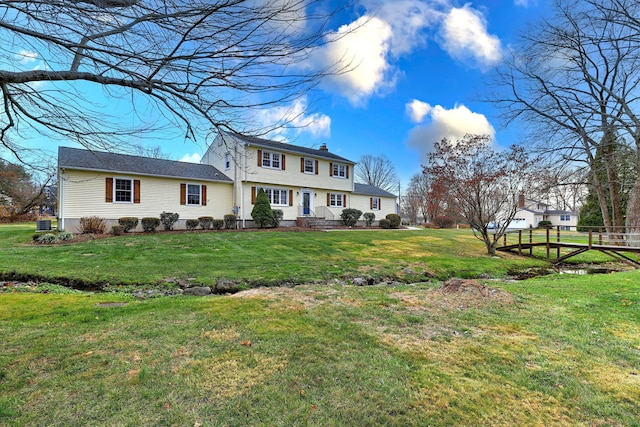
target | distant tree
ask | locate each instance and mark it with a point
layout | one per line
(482, 185)
(416, 198)
(19, 192)
(262, 213)
(378, 171)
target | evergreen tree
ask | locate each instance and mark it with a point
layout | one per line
(262, 213)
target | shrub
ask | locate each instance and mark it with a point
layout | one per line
(150, 224)
(544, 224)
(47, 238)
(278, 214)
(192, 224)
(217, 224)
(369, 217)
(206, 222)
(350, 216)
(55, 237)
(168, 219)
(128, 223)
(395, 220)
(230, 221)
(261, 212)
(443, 221)
(385, 223)
(65, 236)
(92, 225)
(117, 230)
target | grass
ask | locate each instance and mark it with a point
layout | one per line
(257, 257)
(554, 351)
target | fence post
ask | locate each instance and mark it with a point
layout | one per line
(590, 237)
(600, 236)
(548, 246)
(558, 239)
(530, 241)
(519, 242)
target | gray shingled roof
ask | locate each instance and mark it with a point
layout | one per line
(282, 146)
(76, 158)
(370, 190)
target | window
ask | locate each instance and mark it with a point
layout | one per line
(339, 170)
(309, 166)
(375, 203)
(277, 196)
(270, 160)
(565, 217)
(227, 161)
(123, 190)
(336, 200)
(193, 194)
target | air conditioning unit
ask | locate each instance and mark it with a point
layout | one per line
(43, 225)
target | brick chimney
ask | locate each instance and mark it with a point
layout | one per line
(323, 147)
(521, 200)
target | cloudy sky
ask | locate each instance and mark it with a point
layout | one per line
(422, 69)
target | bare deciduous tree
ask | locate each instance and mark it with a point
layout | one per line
(378, 171)
(482, 185)
(197, 65)
(575, 80)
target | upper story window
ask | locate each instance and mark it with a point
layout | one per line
(123, 190)
(227, 161)
(309, 166)
(271, 160)
(194, 195)
(565, 217)
(339, 170)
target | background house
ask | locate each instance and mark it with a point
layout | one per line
(531, 212)
(305, 183)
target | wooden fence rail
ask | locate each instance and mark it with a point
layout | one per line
(611, 241)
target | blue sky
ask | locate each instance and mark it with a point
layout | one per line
(424, 65)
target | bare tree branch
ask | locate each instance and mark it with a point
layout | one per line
(200, 65)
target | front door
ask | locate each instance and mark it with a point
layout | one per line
(306, 203)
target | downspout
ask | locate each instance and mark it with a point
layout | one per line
(61, 225)
(246, 164)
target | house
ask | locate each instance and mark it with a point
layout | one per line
(531, 212)
(302, 182)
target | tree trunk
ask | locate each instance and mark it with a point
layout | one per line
(602, 198)
(633, 210)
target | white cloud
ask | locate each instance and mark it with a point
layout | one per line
(408, 20)
(191, 158)
(452, 124)
(417, 109)
(362, 47)
(523, 3)
(465, 37)
(26, 56)
(295, 116)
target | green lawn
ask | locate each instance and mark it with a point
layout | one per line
(553, 351)
(257, 257)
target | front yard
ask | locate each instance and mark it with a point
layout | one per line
(556, 350)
